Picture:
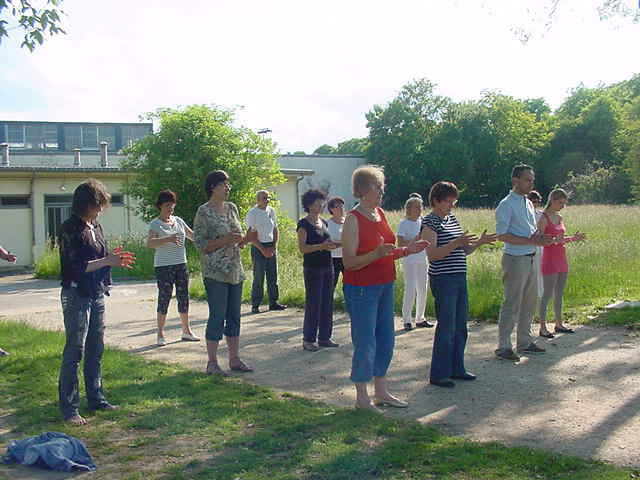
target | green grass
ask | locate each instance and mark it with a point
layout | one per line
(177, 423)
(603, 269)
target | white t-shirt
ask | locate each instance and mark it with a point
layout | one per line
(264, 221)
(169, 253)
(410, 229)
(335, 231)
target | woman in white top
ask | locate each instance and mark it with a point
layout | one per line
(335, 223)
(536, 199)
(414, 267)
(167, 235)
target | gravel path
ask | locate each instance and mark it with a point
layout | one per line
(581, 398)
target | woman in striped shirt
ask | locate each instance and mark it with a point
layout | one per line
(447, 253)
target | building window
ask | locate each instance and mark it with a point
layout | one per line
(84, 137)
(133, 133)
(15, 201)
(15, 135)
(107, 134)
(57, 208)
(117, 199)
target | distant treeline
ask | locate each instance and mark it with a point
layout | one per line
(590, 144)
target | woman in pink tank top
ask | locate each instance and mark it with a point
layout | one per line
(555, 267)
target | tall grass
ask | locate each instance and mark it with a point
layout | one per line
(604, 268)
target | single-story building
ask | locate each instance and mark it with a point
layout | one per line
(43, 162)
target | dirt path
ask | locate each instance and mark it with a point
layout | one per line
(581, 398)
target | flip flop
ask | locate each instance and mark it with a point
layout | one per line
(564, 330)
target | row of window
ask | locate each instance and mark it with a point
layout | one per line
(24, 201)
(62, 137)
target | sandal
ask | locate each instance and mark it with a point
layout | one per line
(240, 367)
(546, 334)
(214, 369)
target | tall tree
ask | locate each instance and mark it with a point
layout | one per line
(353, 146)
(324, 150)
(33, 18)
(191, 142)
(399, 136)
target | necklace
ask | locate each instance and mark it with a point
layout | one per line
(373, 215)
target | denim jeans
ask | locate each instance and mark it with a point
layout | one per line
(84, 330)
(318, 304)
(261, 266)
(372, 332)
(452, 307)
(224, 309)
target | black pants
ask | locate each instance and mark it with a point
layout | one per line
(338, 268)
(318, 303)
(261, 266)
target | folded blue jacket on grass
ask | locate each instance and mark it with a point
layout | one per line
(52, 450)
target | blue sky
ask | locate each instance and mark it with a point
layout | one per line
(308, 71)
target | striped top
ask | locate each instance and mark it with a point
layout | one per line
(447, 230)
(169, 253)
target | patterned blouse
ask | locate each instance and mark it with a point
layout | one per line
(223, 264)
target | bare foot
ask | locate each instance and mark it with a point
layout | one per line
(77, 420)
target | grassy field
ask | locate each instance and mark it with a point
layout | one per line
(603, 269)
(176, 424)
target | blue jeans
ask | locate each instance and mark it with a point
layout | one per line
(452, 308)
(224, 309)
(84, 330)
(372, 330)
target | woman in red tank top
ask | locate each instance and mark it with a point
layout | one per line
(368, 254)
(555, 268)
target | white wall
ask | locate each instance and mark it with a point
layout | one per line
(332, 173)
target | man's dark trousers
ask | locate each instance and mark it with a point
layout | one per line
(261, 266)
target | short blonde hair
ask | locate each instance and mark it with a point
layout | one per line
(555, 195)
(412, 201)
(364, 178)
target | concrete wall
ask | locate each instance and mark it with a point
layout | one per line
(332, 173)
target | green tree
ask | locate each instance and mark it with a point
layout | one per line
(33, 18)
(399, 137)
(324, 150)
(191, 142)
(353, 146)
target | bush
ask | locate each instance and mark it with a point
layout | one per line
(600, 186)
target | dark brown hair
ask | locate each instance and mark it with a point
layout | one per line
(311, 196)
(534, 196)
(166, 196)
(441, 191)
(333, 203)
(214, 179)
(90, 194)
(519, 169)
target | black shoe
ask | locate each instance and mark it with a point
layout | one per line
(255, 309)
(327, 343)
(424, 324)
(464, 376)
(564, 330)
(507, 355)
(104, 406)
(442, 383)
(546, 334)
(408, 327)
(277, 306)
(532, 349)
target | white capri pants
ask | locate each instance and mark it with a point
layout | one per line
(415, 289)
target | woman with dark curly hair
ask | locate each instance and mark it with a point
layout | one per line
(314, 242)
(86, 276)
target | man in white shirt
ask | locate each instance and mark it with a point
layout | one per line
(262, 218)
(516, 227)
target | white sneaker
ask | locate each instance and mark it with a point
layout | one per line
(187, 337)
(161, 341)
